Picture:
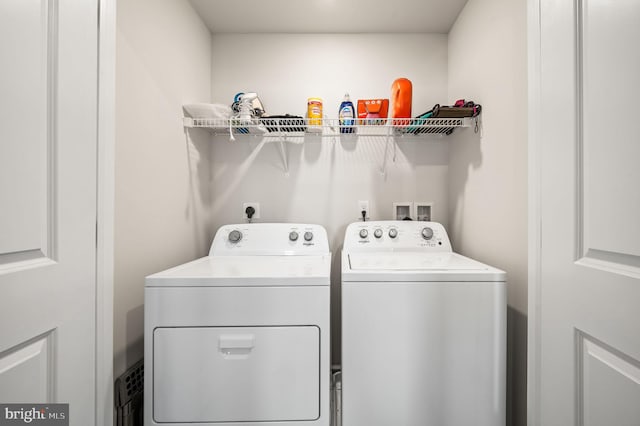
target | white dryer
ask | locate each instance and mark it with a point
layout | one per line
(241, 337)
(423, 330)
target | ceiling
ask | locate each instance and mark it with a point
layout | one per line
(329, 16)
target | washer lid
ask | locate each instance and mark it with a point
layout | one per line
(417, 266)
(245, 271)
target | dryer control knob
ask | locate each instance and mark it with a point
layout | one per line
(377, 233)
(293, 236)
(364, 233)
(427, 233)
(308, 236)
(393, 233)
(235, 236)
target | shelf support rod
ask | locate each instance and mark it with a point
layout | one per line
(283, 153)
(383, 171)
(395, 143)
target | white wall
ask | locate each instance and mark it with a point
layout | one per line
(162, 193)
(327, 178)
(172, 195)
(488, 180)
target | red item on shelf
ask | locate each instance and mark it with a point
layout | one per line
(401, 98)
(373, 111)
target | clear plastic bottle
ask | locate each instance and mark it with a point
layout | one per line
(346, 115)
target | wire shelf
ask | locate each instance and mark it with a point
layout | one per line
(331, 126)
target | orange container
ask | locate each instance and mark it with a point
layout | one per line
(401, 92)
(373, 111)
(314, 112)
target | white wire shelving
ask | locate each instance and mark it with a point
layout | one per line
(328, 127)
(296, 130)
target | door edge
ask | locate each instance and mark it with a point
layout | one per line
(104, 404)
(534, 57)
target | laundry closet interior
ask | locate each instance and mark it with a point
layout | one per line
(175, 185)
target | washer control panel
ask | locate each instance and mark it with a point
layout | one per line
(397, 235)
(270, 239)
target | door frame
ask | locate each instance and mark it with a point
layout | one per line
(534, 58)
(104, 393)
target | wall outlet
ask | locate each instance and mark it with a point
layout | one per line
(363, 205)
(256, 207)
(422, 211)
(402, 210)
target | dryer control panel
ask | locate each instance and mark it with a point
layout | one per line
(256, 239)
(397, 235)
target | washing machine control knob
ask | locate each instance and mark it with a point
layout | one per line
(377, 233)
(427, 233)
(364, 233)
(393, 233)
(293, 236)
(235, 236)
(308, 236)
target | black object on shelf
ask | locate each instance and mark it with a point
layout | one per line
(283, 123)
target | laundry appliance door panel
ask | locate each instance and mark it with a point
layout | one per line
(236, 374)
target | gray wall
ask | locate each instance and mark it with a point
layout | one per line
(327, 177)
(171, 195)
(488, 180)
(162, 183)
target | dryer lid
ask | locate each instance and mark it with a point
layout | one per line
(243, 271)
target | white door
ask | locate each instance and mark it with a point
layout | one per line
(48, 131)
(585, 347)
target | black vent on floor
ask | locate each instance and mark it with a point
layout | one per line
(128, 398)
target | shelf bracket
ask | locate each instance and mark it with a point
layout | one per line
(283, 152)
(383, 170)
(395, 147)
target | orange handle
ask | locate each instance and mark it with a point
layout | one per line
(401, 91)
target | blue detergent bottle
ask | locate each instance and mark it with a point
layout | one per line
(346, 115)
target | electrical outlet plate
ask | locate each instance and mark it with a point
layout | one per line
(255, 205)
(363, 205)
(423, 211)
(402, 210)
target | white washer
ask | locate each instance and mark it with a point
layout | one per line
(241, 337)
(423, 330)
